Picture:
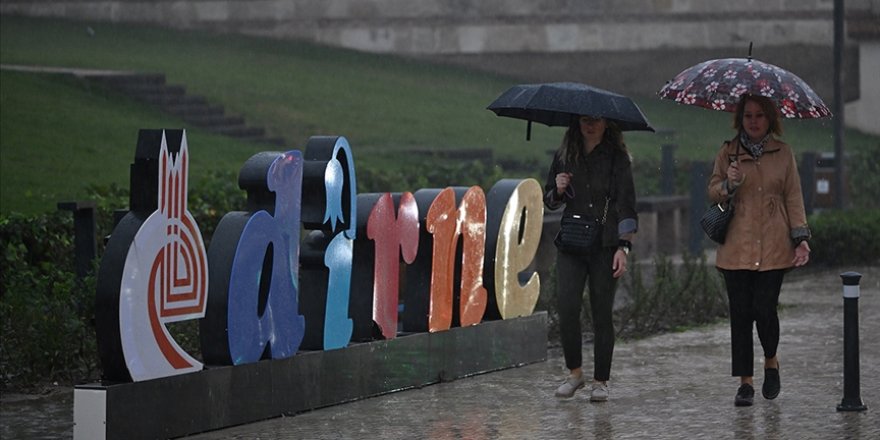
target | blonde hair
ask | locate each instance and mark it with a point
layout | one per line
(767, 106)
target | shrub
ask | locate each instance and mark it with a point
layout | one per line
(864, 178)
(845, 237)
(428, 174)
(46, 312)
(675, 295)
(660, 296)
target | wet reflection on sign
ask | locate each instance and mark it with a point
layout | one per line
(446, 223)
(253, 304)
(391, 234)
(442, 223)
(517, 242)
(472, 225)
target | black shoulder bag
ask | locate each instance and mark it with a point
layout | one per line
(717, 217)
(578, 233)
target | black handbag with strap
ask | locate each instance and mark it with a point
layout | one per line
(578, 233)
(716, 219)
(718, 216)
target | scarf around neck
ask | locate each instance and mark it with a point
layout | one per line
(755, 148)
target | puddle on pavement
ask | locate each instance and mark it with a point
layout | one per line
(44, 416)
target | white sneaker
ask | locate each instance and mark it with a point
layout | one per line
(599, 393)
(570, 385)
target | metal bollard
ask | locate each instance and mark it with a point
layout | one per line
(852, 400)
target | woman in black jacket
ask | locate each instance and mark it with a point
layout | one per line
(591, 175)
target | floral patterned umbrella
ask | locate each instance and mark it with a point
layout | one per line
(719, 84)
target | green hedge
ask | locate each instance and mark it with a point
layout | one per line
(863, 178)
(846, 237)
(46, 313)
(662, 295)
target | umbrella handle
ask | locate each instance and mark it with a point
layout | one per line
(750, 50)
(529, 131)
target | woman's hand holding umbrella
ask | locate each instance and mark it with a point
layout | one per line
(562, 182)
(735, 176)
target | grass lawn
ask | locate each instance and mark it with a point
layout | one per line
(57, 136)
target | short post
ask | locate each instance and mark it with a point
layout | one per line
(699, 173)
(667, 169)
(852, 400)
(808, 179)
(84, 244)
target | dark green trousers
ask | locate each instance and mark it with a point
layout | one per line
(573, 274)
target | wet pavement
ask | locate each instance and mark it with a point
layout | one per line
(37, 416)
(674, 385)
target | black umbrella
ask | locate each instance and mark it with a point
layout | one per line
(557, 104)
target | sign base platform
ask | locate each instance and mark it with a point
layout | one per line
(219, 397)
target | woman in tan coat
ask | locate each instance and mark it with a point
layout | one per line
(767, 236)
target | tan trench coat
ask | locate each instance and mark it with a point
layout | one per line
(769, 208)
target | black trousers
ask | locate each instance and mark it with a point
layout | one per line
(573, 273)
(753, 298)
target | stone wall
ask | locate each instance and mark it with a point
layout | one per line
(631, 46)
(471, 26)
(862, 113)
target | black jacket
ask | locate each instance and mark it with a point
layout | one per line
(589, 187)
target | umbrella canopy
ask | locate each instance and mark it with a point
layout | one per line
(557, 104)
(719, 84)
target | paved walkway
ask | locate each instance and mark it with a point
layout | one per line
(669, 386)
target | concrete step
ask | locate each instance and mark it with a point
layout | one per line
(194, 109)
(213, 120)
(171, 98)
(186, 110)
(175, 100)
(238, 131)
(138, 89)
(127, 79)
(163, 100)
(275, 142)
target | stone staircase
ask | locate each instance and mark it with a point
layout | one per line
(151, 88)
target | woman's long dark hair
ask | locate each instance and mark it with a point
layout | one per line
(572, 149)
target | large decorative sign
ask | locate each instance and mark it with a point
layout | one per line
(253, 308)
(329, 210)
(515, 231)
(367, 268)
(156, 272)
(262, 298)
